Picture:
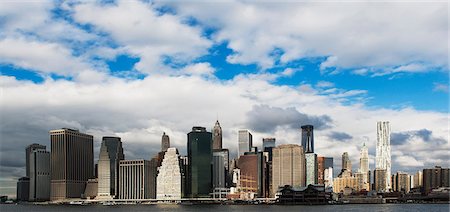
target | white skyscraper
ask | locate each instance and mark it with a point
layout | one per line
(111, 152)
(168, 182)
(383, 153)
(328, 177)
(364, 163)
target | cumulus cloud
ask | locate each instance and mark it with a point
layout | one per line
(340, 136)
(399, 138)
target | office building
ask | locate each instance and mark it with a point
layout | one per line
(311, 168)
(383, 150)
(328, 177)
(199, 176)
(39, 175)
(364, 163)
(308, 138)
(155, 163)
(322, 164)
(248, 165)
(169, 177)
(134, 182)
(72, 163)
(220, 168)
(165, 142)
(288, 166)
(435, 178)
(346, 163)
(23, 189)
(28, 151)
(217, 136)
(380, 180)
(111, 152)
(245, 141)
(91, 190)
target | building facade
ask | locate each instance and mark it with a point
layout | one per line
(245, 141)
(288, 167)
(401, 182)
(39, 175)
(168, 186)
(217, 136)
(346, 162)
(111, 152)
(379, 180)
(199, 177)
(23, 189)
(134, 182)
(383, 150)
(435, 178)
(248, 165)
(72, 163)
(418, 179)
(28, 151)
(308, 138)
(345, 180)
(323, 163)
(311, 168)
(165, 142)
(268, 145)
(220, 168)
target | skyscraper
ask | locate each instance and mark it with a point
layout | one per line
(324, 163)
(245, 140)
(308, 138)
(134, 182)
(111, 152)
(364, 164)
(268, 145)
(72, 163)
(383, 151)
(435, 177)
(39, 175)
(199, 177)
(28, 150)
(346, 163)
(379, 180)
(248, 164)
(220, 168)
(288, 166)
(311, 168)
(165, 142)
(217, 136)
(168, 184)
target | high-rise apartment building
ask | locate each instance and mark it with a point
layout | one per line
(308, 138)
(379, 180)
(165, 142)
(72, 163)
(111, 152)
(199, 176)
(288, 166)
(435, 178)
(134, 182)
(401, 182)
(217, 136)
(168, 186)
(28, 151)
(39, 175)
(383, 150)
(311, 168)
(245, 141)
(418, 179)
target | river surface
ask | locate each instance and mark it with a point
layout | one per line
(218, 208)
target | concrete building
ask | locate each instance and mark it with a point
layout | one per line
(383, 150)
(345, 180)
(401, 182)
(134, 179)
(248, 165)
(39, 175)
(418, 179)
(23, 189)
(199, 178)
(308, 138)
(72, 163)
(111, 152)
(168, 186)
(28, 151)
(288, 166)
(364, 163)
(379, 180)
(328, 177)
(245, 141)
(217, 136)
(311, 168)
(91, 190)
(155, 163)
(435, 178)
(220, 168)
(165, 142)
(322, 164)
(346, 162)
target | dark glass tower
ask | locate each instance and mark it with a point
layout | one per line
(199, 177)
(165, 142)
(308, 138)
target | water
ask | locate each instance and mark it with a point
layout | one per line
(218, 208)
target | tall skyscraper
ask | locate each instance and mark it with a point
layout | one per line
(39, 175)
(134, 182)
(364, 164)
(245, 140)
(268, 145)
(217, 136)
(168, 184)
(308, 138)
(111, 152)
(72, 163)
(199, 177)
(165, 142)
(28, 151)
(288, 166)
(220, 168)
(383, 151)
(311, 168)
(248, 164)
(346, 163)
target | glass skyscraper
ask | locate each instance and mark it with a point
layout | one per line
(308, 138)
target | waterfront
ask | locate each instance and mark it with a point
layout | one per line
(218, 208)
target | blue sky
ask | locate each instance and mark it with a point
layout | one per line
(136, 68)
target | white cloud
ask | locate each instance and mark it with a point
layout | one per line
(440, 87)
(201, 69)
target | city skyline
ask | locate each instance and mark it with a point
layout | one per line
(135, 69)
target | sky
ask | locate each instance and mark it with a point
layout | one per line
(136, 69)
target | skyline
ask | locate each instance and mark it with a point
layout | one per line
(137, 69)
